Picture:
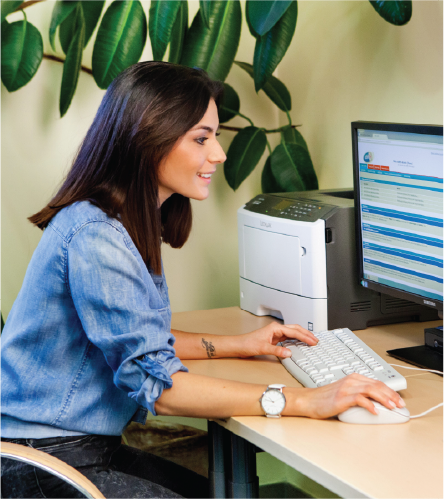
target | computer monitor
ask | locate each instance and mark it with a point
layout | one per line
(398, 184)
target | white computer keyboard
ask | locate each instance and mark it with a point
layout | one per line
(338, 353)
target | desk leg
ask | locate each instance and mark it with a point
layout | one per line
(241, 474)
(218, 439)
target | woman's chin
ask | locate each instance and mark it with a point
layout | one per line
(201, 195)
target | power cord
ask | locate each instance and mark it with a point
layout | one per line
(419, 369)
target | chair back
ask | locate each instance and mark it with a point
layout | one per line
(52, 465)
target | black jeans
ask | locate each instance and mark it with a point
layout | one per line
(117, 470)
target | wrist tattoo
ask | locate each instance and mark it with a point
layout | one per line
(211, 351)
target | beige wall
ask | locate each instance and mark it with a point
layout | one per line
(345, 63)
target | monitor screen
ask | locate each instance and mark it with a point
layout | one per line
(398, 173)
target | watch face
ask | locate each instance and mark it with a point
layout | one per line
(273, 402)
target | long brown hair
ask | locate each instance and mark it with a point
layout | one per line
(145, 110)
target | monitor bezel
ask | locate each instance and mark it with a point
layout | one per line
(384, 127)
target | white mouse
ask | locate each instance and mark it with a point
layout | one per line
(359, 415)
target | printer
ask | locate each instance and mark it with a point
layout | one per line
(298, 263)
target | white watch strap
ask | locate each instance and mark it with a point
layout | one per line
(276, 386)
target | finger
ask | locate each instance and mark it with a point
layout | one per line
(296, 331)
(297, 326)
(378, 391)
(367, 404)
(352, 392)
(269, 349)
(283, 352)
(386, 396)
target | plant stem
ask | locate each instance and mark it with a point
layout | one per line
(238, 129)
(245, 118)
(24, 5)
(289, 117)
(269, 147)
(59, 59)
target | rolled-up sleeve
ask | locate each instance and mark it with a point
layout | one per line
(122, 311)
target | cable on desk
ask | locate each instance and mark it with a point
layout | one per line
(426, 412)
(419, 369)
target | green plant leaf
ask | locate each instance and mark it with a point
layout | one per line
(214, 49)
(244, 153)
(8, 7)
(273, 87)
(3, 26)
(120, 40)
(265, 14)
(292, 168)
(73, 62)
(303, 161)
(62, 9)
(271, 47)
(247, 16)
(21, 52)
(92, 9)
(268, 182)
(292, 136)
(229, 107)
(162, 17)
(205, 11)
(178, 33)
(397, 12)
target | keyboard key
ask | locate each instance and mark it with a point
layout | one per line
(302, 362)
(321, 367)
(337, 367)
(310, 370)
(323, 383)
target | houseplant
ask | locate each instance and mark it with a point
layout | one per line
(210, 43)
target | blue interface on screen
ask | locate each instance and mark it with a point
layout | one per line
(401, 202)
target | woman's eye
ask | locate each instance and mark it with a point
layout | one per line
(201, 140)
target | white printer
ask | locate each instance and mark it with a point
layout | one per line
(297, 262)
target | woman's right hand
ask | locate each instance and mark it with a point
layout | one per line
(330, 400)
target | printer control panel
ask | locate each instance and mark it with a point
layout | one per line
(305, 210)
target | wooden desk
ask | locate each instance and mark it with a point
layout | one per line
(394, 461)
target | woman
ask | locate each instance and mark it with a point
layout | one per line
(88, 346)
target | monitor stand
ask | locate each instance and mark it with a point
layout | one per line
(427, 356)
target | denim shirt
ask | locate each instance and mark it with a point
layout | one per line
(87, 345)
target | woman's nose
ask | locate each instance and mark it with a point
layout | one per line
(217, 154)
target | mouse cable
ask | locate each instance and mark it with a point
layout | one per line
(418, 369)
(426, 412)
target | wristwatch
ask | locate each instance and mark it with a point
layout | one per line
(273, 401)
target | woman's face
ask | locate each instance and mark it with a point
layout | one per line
(188, 167)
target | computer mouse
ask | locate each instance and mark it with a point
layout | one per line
(359, 415)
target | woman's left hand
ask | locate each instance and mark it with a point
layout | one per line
(264, 341)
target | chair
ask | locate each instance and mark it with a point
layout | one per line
(52, 465)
